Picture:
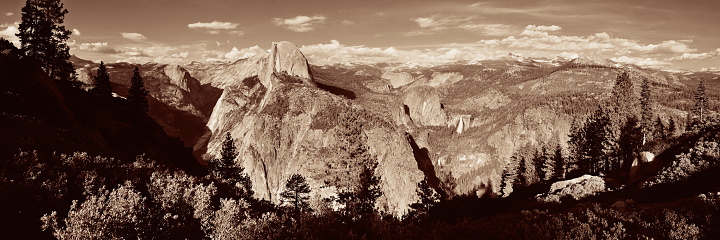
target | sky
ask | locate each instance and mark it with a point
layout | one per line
(663, 34)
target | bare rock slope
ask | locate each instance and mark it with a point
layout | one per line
(283, 124)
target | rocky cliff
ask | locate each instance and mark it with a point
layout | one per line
(178, 101)
(283, 124)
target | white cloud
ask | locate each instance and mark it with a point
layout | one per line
(9, 33)
(214, 25)
(337, 53)
(236, 53)
(696, 56)
(542, 28)
(99, 47)
(347, 22)
(640, 61)
(534, 39)
(76, 32)
(133, 36)
(300, 23)
(489, 29)
(9, 14)
(160, 53)
(437, 23)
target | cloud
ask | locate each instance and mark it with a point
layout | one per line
(76, 32)
(9, 33)
(337, 53)
(640, 61)
(9, 14)
(214, 25)
(438, 23)
(696, 56)
(236, 53)
(98, 47)
(133, 36)
(542, 38)
(160, 53)
(300, 23)
(542, 28)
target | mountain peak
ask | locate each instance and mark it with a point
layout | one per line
(593, 59)
(285, 58)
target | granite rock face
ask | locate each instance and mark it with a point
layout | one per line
(283, 124)
(424, 106)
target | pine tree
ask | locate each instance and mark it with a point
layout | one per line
(624, 102)
(646, 111)
(369, 190)
(671, 127)
(521, 180)
(577, 144)
(102, 82)
(559, 164)
(361, 200)
(228, 153)
(428, 197)
(43, 37)
(297, 193)
(539, 163)
(697, 119)
(227, 169)
(660, 130)
(630, 143)
(507, 175)
(137, 95)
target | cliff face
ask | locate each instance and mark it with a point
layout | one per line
(283, 124)
(178, 101)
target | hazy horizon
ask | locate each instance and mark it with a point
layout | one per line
(656, 34)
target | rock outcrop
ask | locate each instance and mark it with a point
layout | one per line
(576, 188)
(424, 106)
(283, 124)
(398, 79)
(441, 78)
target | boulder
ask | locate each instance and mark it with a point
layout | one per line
(638, 164)
(576, 188)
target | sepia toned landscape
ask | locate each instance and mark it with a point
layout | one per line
(359, 120)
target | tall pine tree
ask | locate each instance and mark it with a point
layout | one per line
(660, 130)
(521, 180)
(671, 127)
(137, 95)
(102, 82)
(558, 164)
(43, 37)
(697, 119)
(227, 169)
(624, 100)
(361, 200)
(296, 193)
(428, 197)
(646, 111)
